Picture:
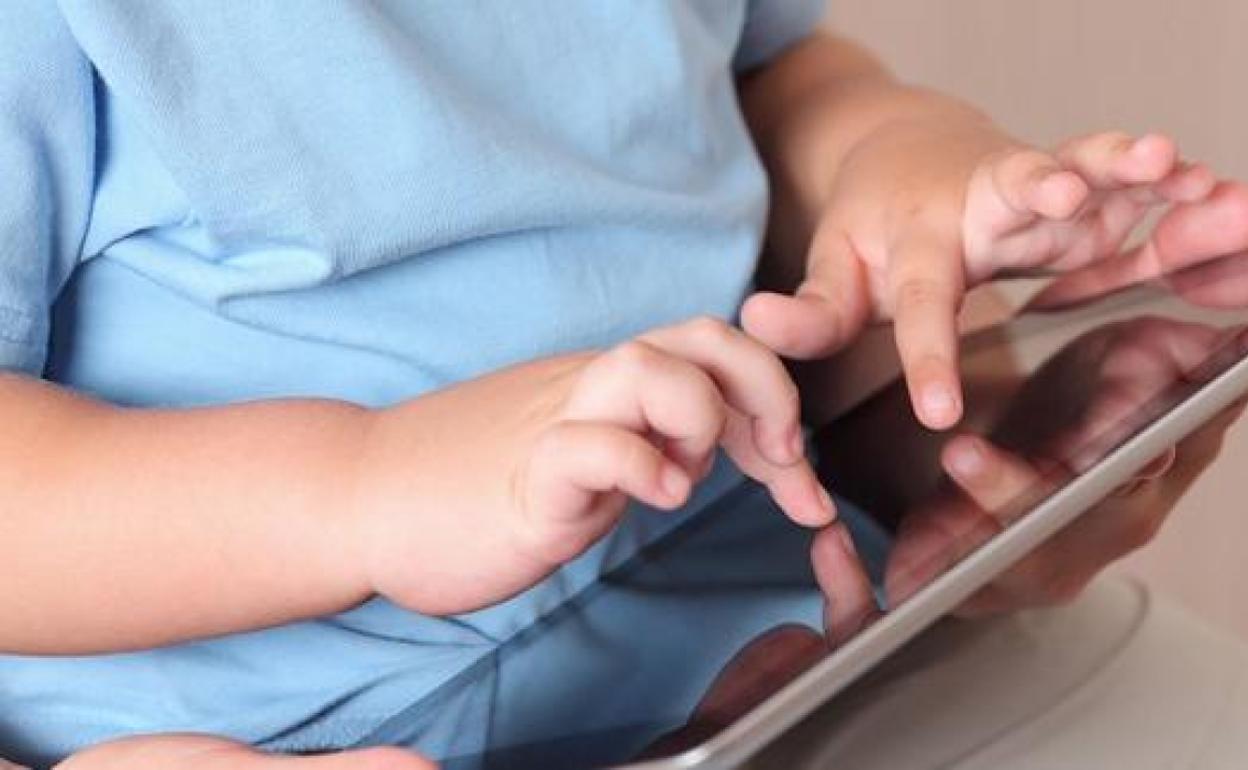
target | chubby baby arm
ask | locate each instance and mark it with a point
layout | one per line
(521, 471)
(136, 528)
(129, 528)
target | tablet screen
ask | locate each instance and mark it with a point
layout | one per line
(716, 617)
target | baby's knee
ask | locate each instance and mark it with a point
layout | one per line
(206, 752)
(190, 751)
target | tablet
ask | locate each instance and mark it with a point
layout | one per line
(710, 643)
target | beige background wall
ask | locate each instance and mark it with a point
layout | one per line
(1053, 68)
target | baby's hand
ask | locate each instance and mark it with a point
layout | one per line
(924, 209)
(472, 494)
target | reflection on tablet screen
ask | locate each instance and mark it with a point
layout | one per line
(719, 615)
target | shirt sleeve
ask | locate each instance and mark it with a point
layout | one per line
(47, 156)
(772, 26)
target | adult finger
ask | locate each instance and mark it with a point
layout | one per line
(1197, 452)
(1189, 234)
(1219, 284)
(1187, 183)
(1059, 569)
(1096, 280)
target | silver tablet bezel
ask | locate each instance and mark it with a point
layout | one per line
(744, 738)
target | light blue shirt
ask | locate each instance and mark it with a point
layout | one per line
(214, 202)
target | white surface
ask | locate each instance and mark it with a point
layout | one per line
(1148, 687)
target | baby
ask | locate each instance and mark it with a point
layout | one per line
(334, 330)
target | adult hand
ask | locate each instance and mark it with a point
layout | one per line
(1199, 250)
(1077, 408)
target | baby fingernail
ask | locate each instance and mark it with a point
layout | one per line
(1140, 146)
(674, 483)
(847, 540)
(968, 460)
(796, 443)
(783, 447)
(1052, 179)
(825, 499)
(939, 403)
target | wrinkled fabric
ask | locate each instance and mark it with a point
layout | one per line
(215, 202)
